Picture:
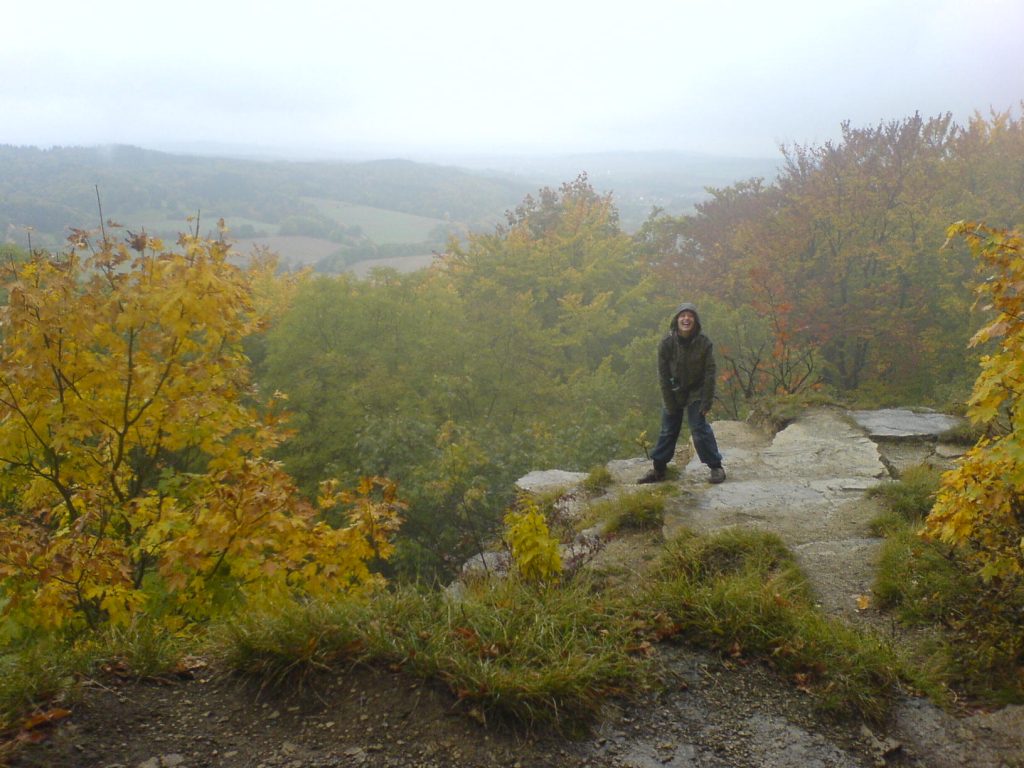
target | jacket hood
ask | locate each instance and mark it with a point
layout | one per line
(673, 328)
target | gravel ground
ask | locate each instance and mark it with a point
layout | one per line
(708, 713)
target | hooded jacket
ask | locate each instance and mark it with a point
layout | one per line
(686, 366)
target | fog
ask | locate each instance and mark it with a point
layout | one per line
(458, 77)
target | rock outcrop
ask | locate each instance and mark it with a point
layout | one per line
(807, 483)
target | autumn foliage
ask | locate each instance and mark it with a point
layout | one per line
(133, 465)
(980, 505)
(534, 550)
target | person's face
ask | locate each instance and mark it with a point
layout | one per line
(687, 322)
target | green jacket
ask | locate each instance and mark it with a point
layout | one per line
(686, 367)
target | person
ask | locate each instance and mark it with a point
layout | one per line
(686, 371)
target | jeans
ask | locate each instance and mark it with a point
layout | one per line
(701, 432)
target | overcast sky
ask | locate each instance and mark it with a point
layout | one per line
(412, 77)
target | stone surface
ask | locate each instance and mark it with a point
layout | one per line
(806, 474)
(627, 470)
(547, 480)
(486, 564)
(807, 485)
(904, 423)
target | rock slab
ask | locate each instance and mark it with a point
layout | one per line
(904, 423)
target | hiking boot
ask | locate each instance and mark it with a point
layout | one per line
(717, 475)
(653, 476)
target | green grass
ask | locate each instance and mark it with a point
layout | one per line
(918, 578)
(552, 655)
(598, 481)
(641, 511)
(741, 593)
(972, 634)
(973, 628)
(908, 499)
(36, 674)
(283, 642)
(535, 655)
(37, 671)
(964, 434)
(507, 650)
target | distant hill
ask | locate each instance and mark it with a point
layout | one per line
(350, 211)
(53, 189)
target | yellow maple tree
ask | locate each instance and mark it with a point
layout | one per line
(132, 454)
(980, 504)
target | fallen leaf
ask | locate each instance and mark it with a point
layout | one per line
(45, 718)
(644, 649)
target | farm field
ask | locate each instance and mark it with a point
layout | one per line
(380, 225)
(293, 250)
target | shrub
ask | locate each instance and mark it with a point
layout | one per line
(534, 550)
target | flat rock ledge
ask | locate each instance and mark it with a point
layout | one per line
(904, 423)
(548, 480)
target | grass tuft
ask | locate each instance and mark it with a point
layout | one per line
(641, 511)
(964, 434)
(598, 481)
(143, 648)
(908, 499)
(538, 655)
(282, 642)
(741, 593)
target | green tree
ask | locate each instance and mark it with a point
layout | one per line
(519, 349)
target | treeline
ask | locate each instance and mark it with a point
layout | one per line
(837, 271)
(533, 346)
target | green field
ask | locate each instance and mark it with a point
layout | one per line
(380, 225)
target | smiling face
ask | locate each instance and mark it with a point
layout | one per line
(686, 322)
